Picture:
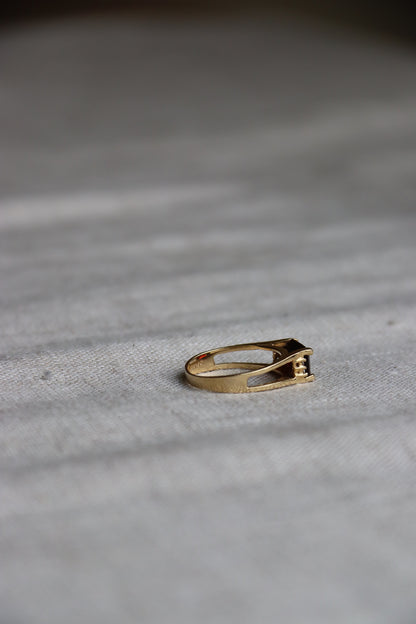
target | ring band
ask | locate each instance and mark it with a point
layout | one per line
(291, 365)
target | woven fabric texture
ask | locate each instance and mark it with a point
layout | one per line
(167, 188)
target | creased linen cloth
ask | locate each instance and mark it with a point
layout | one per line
(167, 188)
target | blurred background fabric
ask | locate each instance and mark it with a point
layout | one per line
(172, 185)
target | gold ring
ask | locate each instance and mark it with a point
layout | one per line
(291, 365)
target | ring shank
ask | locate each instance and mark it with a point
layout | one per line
(286, 353)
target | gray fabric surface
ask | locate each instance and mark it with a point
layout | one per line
(171, 188)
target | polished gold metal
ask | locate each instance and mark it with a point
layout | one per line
(291, 365)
